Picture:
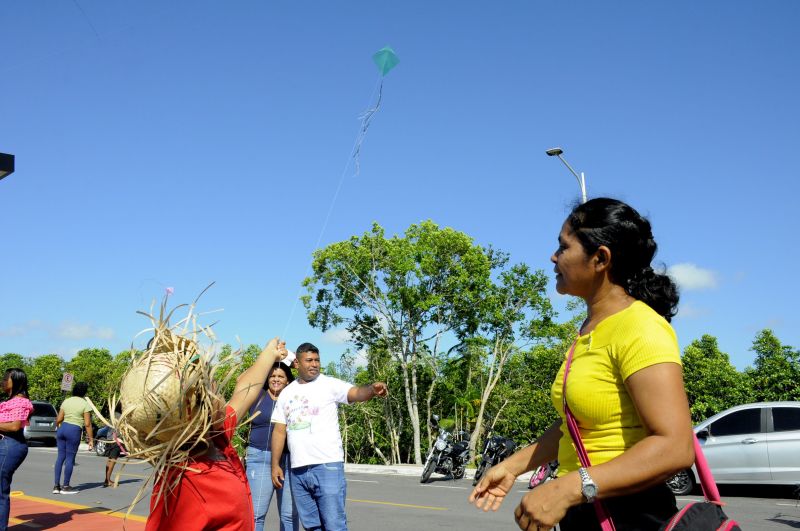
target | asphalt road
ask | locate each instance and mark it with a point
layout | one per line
(385, 502)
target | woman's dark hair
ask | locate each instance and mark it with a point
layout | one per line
(19, 382)
(609, 222)
(282, 366)
(80, 389)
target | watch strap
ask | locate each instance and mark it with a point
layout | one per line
(587, 484)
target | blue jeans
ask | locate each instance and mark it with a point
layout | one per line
(68, 438)
(319, 492)
(12, 454)
(259, 475)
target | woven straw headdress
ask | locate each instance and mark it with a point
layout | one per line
(168, 396)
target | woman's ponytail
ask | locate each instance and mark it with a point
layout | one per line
(616, 225)
(657, 290)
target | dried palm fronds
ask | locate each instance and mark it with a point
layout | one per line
(168, 396)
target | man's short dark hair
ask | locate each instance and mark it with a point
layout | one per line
(306, 347)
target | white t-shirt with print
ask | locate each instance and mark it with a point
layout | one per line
(311, 415)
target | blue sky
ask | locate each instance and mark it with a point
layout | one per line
(174, 144)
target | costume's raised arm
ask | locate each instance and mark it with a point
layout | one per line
(251, 381)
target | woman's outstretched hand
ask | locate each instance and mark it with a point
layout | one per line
(492, 489)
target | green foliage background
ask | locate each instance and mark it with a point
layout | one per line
(508, 346)
(520, 408)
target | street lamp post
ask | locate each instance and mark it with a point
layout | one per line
(557, 152)
(6, 164)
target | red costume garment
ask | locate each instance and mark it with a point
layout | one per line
(216, 497)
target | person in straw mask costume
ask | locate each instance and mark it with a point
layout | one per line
(174, 418)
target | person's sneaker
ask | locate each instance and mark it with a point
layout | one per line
(57, 489)
(66, 489)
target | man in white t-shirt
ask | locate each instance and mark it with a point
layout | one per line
(306, 415)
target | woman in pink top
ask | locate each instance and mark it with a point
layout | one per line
(14, 414)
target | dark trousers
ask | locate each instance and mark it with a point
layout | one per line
(12, 454)
(643, 511)
(68, 439)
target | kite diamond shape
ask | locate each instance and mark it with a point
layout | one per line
(385, 59)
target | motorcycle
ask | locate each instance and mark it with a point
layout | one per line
(495, 449)
(102, 438)
(446, 457)
(543, 474)
(105, 439)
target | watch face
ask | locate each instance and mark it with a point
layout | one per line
(590, 491)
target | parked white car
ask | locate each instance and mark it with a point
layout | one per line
(748, 444)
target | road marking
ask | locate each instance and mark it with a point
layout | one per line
(444, 487)
(108, 512)
(361, 481)
(409, 506)
(788, 504)
(25, 523)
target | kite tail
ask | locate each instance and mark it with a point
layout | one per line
(366, 120)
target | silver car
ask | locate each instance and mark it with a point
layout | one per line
(749, 444)
(42, 423)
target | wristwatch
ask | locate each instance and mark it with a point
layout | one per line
(588, 486)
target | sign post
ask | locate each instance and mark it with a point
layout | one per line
(66, 382)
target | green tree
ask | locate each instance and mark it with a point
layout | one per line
(512, 310)
(93, 366)
(44, 378)
(776, 371)
(521, 407)
(231, 365)
(404, 294)
(10, 360)
(712, 383)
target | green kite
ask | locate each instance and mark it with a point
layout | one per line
(385, 59)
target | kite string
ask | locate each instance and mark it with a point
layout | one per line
(366, 120)
(354, 151)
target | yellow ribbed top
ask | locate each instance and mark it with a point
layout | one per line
(621, 344)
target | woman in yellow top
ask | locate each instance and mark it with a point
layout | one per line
(74, 413)
(624, 387)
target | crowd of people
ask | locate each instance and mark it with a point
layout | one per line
(295, 449)
(624, 424)
(73, 417)
(315, 473)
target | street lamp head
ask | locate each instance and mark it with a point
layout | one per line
(554, 152)
(6, 164)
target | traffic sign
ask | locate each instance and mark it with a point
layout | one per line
(66, 381)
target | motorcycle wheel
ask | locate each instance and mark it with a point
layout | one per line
(459, 472)
(428, 470)
(479, 472)
(100, 448)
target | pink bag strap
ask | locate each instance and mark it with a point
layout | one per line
(707, 482)
(606, 523)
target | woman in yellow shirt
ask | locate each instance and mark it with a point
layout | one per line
(624, 388)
